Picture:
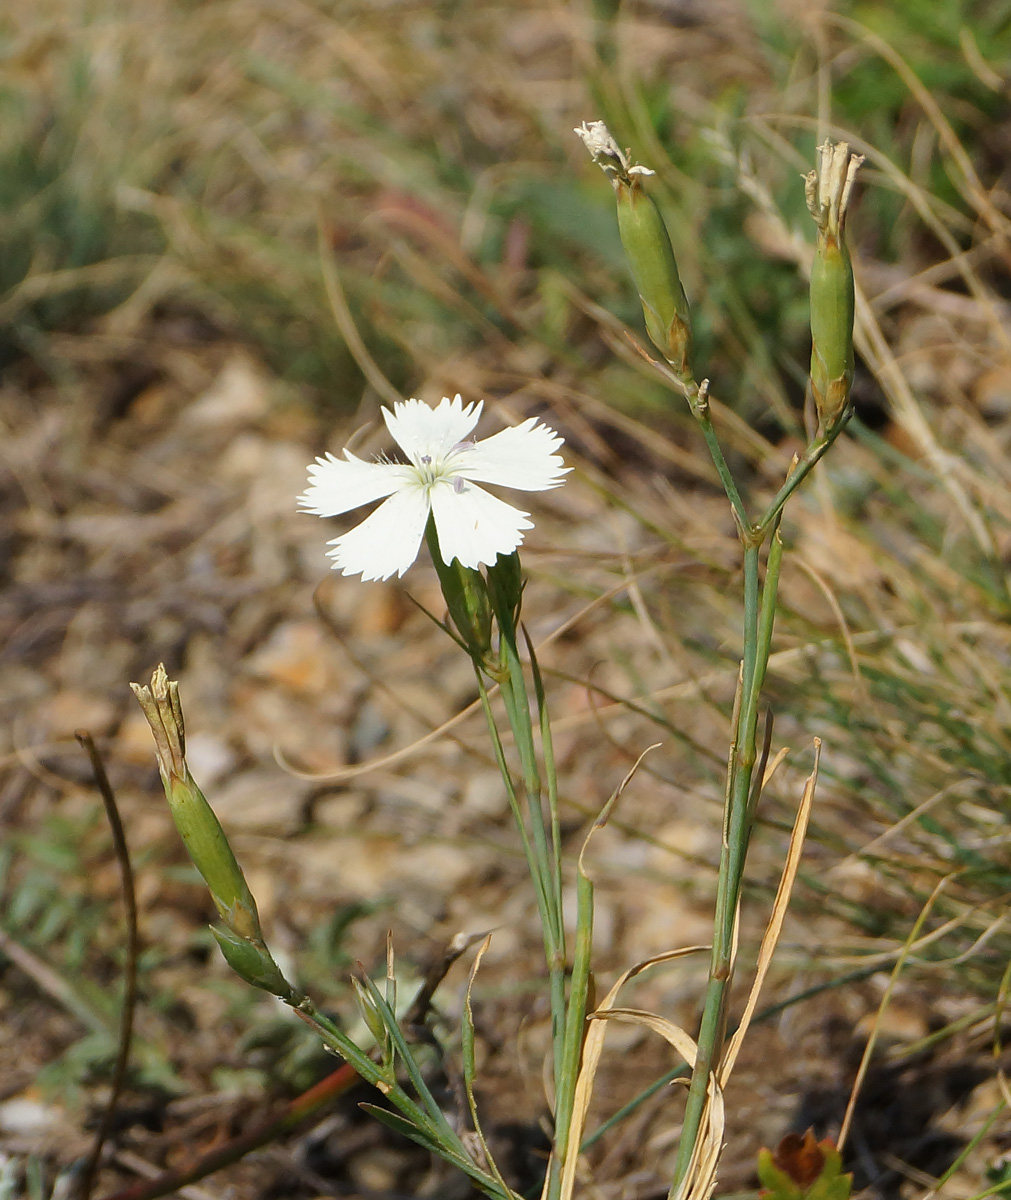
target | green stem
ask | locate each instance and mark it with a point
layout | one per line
(543, 901)
(550, 775)
(701, 410)
(759, 619)
(432, 1127)
(805, 464)
(575, 1027)
(441, 1130)
(334, 1037)
(535, 841)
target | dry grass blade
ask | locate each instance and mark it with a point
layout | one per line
(775, 926)
(674, 1034)
(700, 1178)
(973, 188)
(346, 322)
(865, 1061)
(870, 341)
(570, 1110)
(345, 774)
(64, 991)
(847, 636)
(592, 1050)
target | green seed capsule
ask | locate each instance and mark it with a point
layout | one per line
(212, 856)
(831, 329)
(832, 295)
(648, 249)
(194, 818)
(654, 269)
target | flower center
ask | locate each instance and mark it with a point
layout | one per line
(429, 471)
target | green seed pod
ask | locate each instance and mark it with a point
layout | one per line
(832, 298)
(212, 856)
(194, 818)
(831, 329)
(370, 1014)
(654, 269)
(648, 249)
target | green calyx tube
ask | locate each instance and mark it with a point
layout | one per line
(241, 941)
(832, 295)
(648, 249)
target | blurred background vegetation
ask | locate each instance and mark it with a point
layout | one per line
(385, 197)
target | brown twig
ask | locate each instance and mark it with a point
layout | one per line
(294, 1113)
(130, 969)
(303, 1106)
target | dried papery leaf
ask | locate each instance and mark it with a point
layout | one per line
(345, 319)
(773, 765)
(592, 1048)
(775, 926)
(700, 1177)
(678, 1038)
(391, 974)
(469, 1066)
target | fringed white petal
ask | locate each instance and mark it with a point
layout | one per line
(430, 433)
(387, 542)
(520, 457)
(474, 526)
(339, 485)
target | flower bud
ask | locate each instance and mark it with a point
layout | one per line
(370, 1013)
(648, 250)
(832, 302)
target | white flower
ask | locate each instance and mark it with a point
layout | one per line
(438, 478)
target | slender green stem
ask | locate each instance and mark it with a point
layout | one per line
(543, 902)
(535, 840)
(432, 1127)
(759, 618)
(335, 1037)
(550, 774)
(720, 463)
(805, 464)
(518, 710)
(445, 1134)
(767, 614)
(576, 1016)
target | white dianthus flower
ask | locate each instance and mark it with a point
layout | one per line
(439, 479)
